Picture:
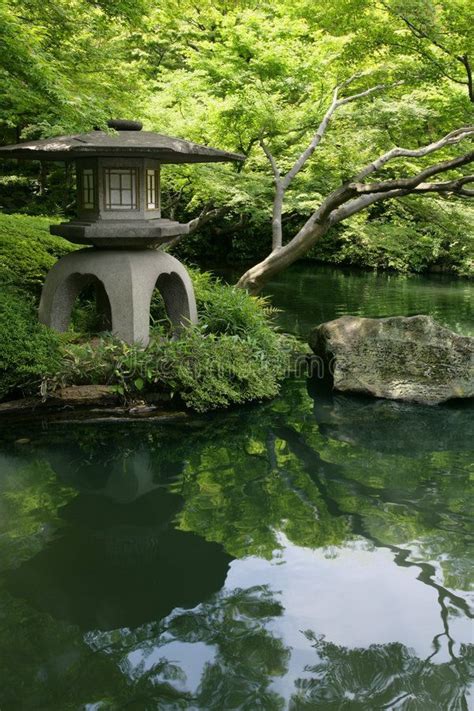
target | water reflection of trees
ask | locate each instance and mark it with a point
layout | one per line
(246, 656)
(308, 296)
(381, 677)
(50, 665)
(403, 506)
(320, 474)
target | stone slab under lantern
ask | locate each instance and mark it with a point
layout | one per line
(119, 215)
(115, 233)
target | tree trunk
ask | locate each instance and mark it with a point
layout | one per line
(277, 233)
(254, 278)
(353, 197)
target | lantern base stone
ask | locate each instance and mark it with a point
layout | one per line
(126, 279)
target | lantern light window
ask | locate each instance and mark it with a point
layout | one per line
(121, 189)
(88, 189)
(152, 189)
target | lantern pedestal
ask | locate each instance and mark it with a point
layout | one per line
(126, 280)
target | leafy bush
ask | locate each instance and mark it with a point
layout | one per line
(28, 251)
(223, 309)
(233, 356)
(204, 370)
(28, 350)
(22, 192)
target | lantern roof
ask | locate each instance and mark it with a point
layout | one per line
(128, 141)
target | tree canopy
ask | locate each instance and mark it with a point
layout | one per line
(236, 73)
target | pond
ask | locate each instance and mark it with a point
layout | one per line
(308, 553)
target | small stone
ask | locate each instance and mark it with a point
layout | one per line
(22, 440)
(413, 358)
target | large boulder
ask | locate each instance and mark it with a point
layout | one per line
(402, 358)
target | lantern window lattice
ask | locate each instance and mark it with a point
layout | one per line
(88, 188)
(121, 189)
(153, 189)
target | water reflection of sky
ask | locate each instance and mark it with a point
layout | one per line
(354, 596)
(191, 658)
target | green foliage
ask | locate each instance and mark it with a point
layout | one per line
(240, 362)
(253, 70)
(40, 189)
(29, 351)
(223, 309)
(66, 65)
(415, 236)
(28, 251)
(227, 74)
(31, 497)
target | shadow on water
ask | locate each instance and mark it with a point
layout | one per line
(390, 426)
(120, 565)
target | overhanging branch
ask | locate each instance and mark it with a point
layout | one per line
(455, 187)
(450, 139)
(413, 182)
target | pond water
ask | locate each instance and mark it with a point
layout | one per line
(308, 553)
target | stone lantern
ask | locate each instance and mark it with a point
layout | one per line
(119, 215)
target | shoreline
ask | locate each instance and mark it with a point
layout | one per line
(93, 404)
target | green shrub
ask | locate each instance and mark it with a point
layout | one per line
(415, 235)
(223, 309)
(28, 251)
(233, 356)
(28, 351)
(205, 371)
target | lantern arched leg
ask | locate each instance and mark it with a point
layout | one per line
(128, 278)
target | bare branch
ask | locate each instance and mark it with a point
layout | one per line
(464, 59)
(361, 203)
(449, 186)
(350, 198)
(277, 229)
(316, 140)
(414, 181)
(271, 160)
(282, 183)
(207, 214)
(367, 92)
(449, 140)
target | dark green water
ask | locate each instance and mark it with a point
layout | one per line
(309, 553)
